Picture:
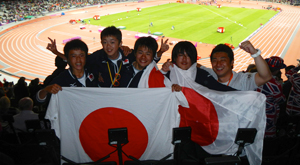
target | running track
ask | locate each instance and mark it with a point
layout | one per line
(23, 53)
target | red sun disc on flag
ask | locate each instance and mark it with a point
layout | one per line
(93, 134)
(201, 117)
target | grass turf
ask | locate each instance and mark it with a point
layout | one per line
(191, 21)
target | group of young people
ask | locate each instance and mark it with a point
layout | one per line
(107, 67)
(118, 66)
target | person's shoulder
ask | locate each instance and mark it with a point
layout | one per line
(201, 70)
(63, 73)
(97, 52)
(243, 74)
(60, 78)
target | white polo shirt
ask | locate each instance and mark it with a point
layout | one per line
(240, 81)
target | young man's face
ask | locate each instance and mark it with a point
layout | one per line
(221, 64)
(143, 56)
(76, 60)
(183, 61)
(111, 45)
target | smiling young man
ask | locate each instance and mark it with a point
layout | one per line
(144, 51)
(222, 61)
(76, 76)
(111, 60)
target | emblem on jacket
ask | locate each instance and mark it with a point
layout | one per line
(126, 61)
(73, 85)
(91, 77)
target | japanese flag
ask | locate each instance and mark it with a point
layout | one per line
(81, 118)
(216, 116)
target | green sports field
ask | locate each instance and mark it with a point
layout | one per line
(192, 22)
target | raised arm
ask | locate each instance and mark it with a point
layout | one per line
(263, 74)
(52, 47)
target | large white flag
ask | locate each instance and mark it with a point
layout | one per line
(81, 118)
(216, 116)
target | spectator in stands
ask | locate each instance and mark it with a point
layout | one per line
(287, 85)
(76, 76)
(34, 87)
(184, 55)
(109, 61)
(6, 109)
(26, 113)
(293, 101)
(20, 90)
(222, 61)
(8, 87)
(279, 78)
(61, 66)
(273, 91)
(282, 121)
(5, 106)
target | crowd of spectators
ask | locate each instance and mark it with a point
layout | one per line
(12, 11)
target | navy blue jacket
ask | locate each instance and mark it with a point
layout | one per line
(67, 79)
(129, 78)
(98, 63)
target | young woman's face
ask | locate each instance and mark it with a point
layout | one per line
(183, 61)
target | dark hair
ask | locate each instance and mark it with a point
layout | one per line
(289, 68)
(148, 42)
(75, 44)
(185, 46)
(222, 48)
(273, 69)
(112, 31)
(26, 103)
(21, 80)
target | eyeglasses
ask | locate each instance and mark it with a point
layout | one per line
(116, 82)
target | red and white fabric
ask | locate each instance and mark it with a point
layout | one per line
(216, 116)
(81, 118)
(153, 78)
